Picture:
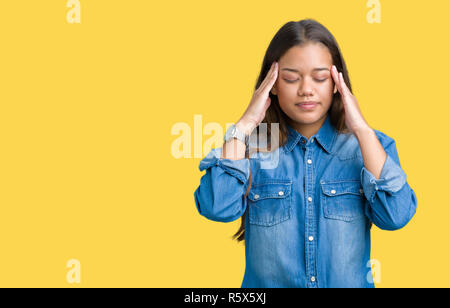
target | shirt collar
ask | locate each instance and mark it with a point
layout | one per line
(325, 136)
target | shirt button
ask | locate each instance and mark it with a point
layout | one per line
(311, 238)
(256, 196)
(281, 193)
(309, 199)
(313, 279)
(309, 161)
(333, 191)
(312, 140)
(303, 141)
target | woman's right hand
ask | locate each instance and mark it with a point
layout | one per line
(256, 110)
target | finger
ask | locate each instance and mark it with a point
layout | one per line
(345, 89)
(263, 83)
(337, 81)
(271, 81)
(334, 75)
(271, 78)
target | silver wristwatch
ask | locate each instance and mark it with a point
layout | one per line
(234, 132)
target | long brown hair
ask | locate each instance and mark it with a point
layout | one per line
(296, 34)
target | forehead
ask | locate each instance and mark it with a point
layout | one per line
(306, 57)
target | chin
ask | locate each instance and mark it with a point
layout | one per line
(306, 117)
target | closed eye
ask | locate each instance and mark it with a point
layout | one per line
(292, 81)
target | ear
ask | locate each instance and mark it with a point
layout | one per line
(274, 90)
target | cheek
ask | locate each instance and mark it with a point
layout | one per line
(287, 90)
(325, 93)
(326, 90)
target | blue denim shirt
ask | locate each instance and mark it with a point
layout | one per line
(309, 218)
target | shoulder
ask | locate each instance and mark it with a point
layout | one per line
(347, 146)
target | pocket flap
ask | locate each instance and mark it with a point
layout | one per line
(332, 189)
(270, 189)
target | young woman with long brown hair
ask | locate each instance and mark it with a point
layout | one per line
(306, 220)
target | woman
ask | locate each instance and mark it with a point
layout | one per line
(306, 220)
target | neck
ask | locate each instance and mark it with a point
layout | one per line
(308, 130)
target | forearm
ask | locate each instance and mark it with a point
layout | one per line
(233, 149)
(372, 151)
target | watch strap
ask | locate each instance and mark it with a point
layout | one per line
(234, 132)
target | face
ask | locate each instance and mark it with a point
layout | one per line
(305, 76)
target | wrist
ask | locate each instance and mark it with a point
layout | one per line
(245, 126)
(363, 131)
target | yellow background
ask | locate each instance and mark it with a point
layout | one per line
(86, 169)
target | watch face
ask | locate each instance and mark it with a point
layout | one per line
(229, 133)
(232, 132)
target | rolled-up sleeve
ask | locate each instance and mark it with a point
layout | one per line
(220, 195)
(390, 201)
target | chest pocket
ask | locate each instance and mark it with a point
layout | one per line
(343, 200)
(269, 202)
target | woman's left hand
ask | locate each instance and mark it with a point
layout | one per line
(354, 119)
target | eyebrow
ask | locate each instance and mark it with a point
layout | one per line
(296, 71)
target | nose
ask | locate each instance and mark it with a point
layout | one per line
(305, 88)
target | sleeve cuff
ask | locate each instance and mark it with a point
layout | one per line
(391, 180)
(237, 168)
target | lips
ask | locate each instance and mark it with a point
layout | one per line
(307, 105)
